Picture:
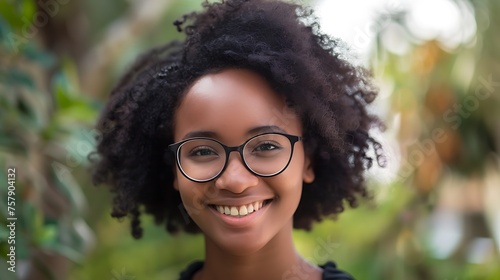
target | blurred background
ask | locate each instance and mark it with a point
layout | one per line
(436, 207)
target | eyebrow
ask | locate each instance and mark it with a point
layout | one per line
(253, 131)
(200, 133)
(266, 128)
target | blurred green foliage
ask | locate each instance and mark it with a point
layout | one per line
(43, 117)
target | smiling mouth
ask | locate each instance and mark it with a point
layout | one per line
(241, 211)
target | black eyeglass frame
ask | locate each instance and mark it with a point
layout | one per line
(175, 148)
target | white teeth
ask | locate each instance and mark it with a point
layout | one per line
(241, 210)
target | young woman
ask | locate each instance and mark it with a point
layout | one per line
(254, 125)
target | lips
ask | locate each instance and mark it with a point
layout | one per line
(241, 210)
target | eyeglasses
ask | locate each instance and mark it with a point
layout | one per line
(203, 159)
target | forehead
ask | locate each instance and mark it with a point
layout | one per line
(230, 104)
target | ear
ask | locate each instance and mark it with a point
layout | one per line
(308, 172)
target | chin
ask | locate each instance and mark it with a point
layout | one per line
(239, 246)
(242, 249)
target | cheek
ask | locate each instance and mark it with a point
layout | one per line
(295, 170)
(194, 195)
(191, 196)
(291, 180)
(289, 184)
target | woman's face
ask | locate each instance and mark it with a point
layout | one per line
(232, 106)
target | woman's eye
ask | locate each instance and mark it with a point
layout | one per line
(266, 147)
(203, 152)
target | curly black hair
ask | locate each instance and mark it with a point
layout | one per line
(280, 41)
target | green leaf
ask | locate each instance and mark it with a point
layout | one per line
(28, 222)
(48, 235)
(35, 54)
(18, 13)
(4, 232)
(78, 112)
(17, 77)
(69, 186)
(62, 88)
(4, 29)
(67, 251)
(22, 247)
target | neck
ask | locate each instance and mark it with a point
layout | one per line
(278, 259)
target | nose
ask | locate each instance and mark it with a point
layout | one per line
(236, 177)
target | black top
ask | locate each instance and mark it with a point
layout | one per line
(330, 272)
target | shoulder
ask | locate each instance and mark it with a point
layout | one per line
(331, 272)
(190, 271)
